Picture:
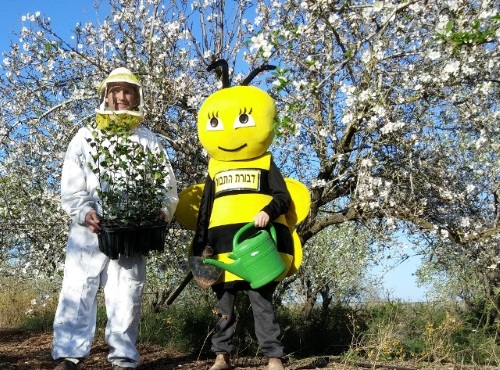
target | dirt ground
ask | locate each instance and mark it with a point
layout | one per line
(28, 350)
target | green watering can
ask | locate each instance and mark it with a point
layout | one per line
(256, 259)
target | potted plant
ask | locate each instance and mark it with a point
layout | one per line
(133, 181)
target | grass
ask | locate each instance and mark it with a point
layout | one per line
(388, 331)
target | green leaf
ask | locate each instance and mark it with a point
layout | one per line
(449, 26)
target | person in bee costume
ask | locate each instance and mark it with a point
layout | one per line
(236, 127)
(86, 267)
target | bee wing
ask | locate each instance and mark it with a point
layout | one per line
(187, 209)
(298, 211)
(301, 202)
(297, 254)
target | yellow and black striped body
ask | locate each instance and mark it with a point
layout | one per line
(241, 190)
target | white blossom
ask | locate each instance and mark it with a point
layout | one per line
(433, 55)
(465, 222)
(378, 6)
(392, 126)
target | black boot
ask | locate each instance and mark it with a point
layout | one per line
(66, 365)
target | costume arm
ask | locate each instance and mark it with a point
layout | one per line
(76, 200)
(200, 239)
(281, 197)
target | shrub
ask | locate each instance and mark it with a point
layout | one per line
(321, 333)
(182, 327)
(27, 304)
(431, 332)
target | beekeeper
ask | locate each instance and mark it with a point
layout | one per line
(86, 268)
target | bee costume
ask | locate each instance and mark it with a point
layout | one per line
(236, 127)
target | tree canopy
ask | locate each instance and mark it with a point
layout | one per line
(388, 111)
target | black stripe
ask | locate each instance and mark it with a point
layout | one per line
(220, 238)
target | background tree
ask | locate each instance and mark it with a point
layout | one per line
(395, 107)
(388, 111)
(334, 271)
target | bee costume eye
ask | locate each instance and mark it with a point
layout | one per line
(214, 123)
(244, 120)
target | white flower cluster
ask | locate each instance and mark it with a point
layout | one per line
(260, 43)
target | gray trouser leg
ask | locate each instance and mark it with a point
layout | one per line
(222, 340)
(267, 329)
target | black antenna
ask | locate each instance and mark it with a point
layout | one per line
(225, 71)
(255, 72)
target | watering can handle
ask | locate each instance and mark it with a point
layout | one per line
(249, 226)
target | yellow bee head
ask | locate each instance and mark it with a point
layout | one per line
(237, 123)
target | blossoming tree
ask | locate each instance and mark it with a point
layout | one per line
(387, 110)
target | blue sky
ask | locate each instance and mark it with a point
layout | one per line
(65, 14)
(400, 282)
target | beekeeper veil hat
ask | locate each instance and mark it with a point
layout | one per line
(128, 118)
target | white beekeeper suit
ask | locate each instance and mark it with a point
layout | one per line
(86, 268)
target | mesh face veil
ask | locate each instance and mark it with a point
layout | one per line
(126, 118)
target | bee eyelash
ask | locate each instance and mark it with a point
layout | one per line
(213, 115)
(245, 111)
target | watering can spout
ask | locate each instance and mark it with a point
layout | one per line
(235, 268)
